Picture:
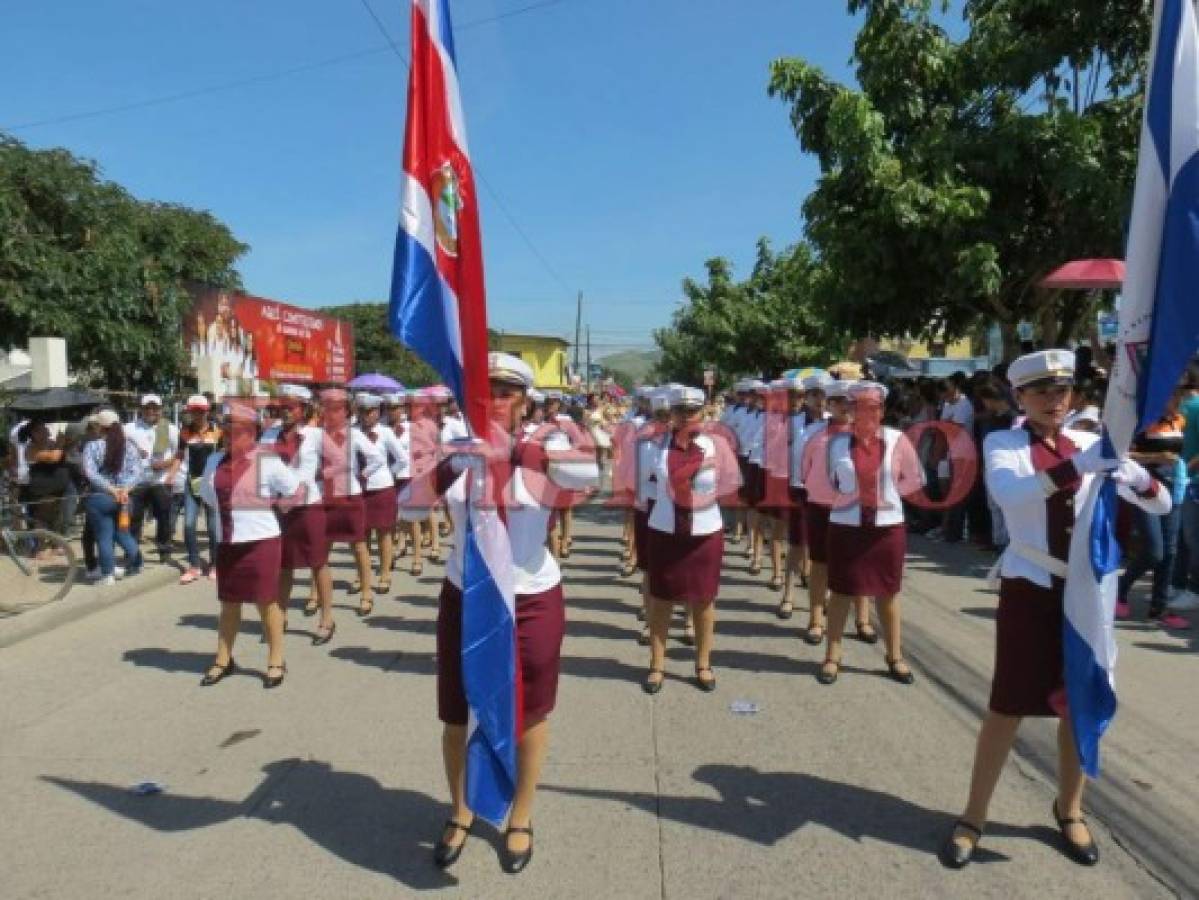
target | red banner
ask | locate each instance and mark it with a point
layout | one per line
(250, 338)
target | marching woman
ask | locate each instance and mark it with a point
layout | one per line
(1035, 473)
(735, 419)
(807, 408)
(784, 400)
(379, 492)
(754, 433)
(401, 465)
(874, 467)
(348, 459)
(305, 544)
(686, 539)
(813, 477)
(417, 498)
(241, 482)
(524, 485)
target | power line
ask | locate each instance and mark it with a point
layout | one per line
(327, 62)
(478, 172)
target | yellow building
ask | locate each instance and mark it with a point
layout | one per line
(912, 349)
(546, 356)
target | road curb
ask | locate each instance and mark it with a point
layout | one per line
(84, 600)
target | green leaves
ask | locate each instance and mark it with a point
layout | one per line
(375, 350)
(82, 259)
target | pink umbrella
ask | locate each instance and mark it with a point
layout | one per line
(1087, 275)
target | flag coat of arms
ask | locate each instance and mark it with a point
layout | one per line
(1158, 335)
(438, 309)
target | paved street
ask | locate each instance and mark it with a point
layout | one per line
(332, 785)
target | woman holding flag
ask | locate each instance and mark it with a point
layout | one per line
(1035, 473)
(524, 480)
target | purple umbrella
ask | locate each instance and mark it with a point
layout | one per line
(376, 381)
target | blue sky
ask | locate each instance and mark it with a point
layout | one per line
(630, 139)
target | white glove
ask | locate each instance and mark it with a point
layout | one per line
(1092, 460)
(1134, 475)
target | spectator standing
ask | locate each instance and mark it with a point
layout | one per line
(197, 442)
(956, 408)
(157, 440)
(113, 467)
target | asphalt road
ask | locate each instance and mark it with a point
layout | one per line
(332, 785)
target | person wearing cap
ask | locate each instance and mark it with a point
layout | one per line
(806, 398)
(1036, 473)
(396, 406)
(686, 539)
(113, 467)
(522, 478)
(379, 495)
(156, 440)
(625, 471)
(814, 477)
(561, 526)
(418, 498)
(242, 482)
(783, 399)
(305, 540)
(348, 460)
(874, 468)
(198, 439)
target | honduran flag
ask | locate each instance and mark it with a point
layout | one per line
(439, 310)
(1158, 335)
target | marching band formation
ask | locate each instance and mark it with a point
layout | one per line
(805, 472)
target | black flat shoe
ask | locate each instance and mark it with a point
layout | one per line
(903, 676)
(273, 681)
(514, 863)
(826, 675)
(217, 674)
(650, 686)
(320, 639)
(445, 855)
(866, 637)
(1084, 854)
(705, 684)
(954, 855)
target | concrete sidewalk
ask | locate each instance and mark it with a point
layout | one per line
(332, 785)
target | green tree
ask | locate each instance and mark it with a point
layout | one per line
(764, 324)
(82, 259)
(962, 171)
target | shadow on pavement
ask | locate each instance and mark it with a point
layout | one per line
(981, 612)
(354, 817)
(766, 807)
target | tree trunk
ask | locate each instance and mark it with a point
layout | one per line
(1011, 340)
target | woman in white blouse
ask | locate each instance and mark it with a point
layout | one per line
(242, 482)
(686, 537)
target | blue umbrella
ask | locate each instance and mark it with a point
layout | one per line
(376, 381)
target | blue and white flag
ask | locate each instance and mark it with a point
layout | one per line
(1158, 335)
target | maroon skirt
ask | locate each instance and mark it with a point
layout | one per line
(685, 569)
(345, 520)
(1028, 648)
(641, 535)
(866, 560)
(816, 526)
(797, 530)
(249, 572)
(381, 508)
(305, 545)
(755, 491)
(776, 499)
(540, 626)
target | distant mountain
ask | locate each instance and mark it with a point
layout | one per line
(635, 365)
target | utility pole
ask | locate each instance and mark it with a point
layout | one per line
(588, 359)
(578, 325)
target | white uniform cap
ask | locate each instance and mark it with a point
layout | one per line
(536, 396)
(553, 395)
(784, 384)
(819, 382)
(687, 397)
(440, 393)
(106, 418)
(659, 399)
(1086, 414)
(863, 389)
(1044, 366)
(838, 389)
(743, 386)
(295, 391)
(197, 401)
(368, 401)
(757, 385)
(148, 399)
(509, 369)
(645, 390)
(795, 384)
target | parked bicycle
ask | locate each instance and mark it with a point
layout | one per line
(37, 566)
